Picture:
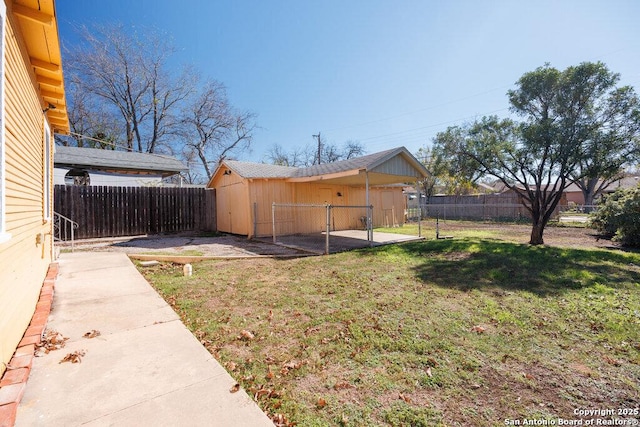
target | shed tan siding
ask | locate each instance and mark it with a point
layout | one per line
(388, 206)
(23, 263)
(262, 194)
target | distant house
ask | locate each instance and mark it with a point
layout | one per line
(33, 108)
(92, 166)
(575, 196)
(245, 191)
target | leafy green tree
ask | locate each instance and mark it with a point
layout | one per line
(457, 172)
(565, 116)
(619, 216)
(610, 122)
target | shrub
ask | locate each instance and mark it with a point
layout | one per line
(619, 217)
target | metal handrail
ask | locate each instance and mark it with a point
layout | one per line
(57, 229)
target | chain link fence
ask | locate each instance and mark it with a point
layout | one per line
(322, 228)
(441, 220)
(471, 211)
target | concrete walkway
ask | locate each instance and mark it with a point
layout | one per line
(144, 369)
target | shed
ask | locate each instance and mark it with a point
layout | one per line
(93, 166)
(245, 192)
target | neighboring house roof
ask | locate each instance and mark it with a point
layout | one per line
(385, 167)
(38, 22)
(110, 160)
(629, 181)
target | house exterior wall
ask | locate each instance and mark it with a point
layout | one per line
(23, 261)
(574, 197)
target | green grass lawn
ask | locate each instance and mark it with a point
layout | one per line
(441, 332)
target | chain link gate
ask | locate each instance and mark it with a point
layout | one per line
(317, 228)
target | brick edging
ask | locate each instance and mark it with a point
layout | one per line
(14, 379)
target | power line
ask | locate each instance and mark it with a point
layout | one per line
(415, 134)
(420, 110)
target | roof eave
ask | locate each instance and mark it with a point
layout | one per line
(325, 177)
(37, 20)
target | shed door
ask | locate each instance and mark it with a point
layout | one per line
(388, 210)
(230, 211)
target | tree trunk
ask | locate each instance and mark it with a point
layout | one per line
(588, 202)
(536, 234)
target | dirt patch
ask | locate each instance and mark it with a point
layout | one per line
(222, 246)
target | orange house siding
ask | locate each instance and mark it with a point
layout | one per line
(25, 257)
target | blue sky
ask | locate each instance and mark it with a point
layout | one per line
(385, 73)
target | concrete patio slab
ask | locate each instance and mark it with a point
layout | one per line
(145, 367)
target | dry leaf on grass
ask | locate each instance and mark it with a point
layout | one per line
(269, 375)
(262, 392)
(279, 420)
(291, 365)
(92, 334)
(403, 397)
(342, 386)
(321, 403)
(528, 376)
(75, 357)
(234, 388)
(611, 361)
(478, 329)
(246, 335)
(429, 372)
(231, 366)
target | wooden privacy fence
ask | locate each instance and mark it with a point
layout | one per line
(129, 211)
(484, 206)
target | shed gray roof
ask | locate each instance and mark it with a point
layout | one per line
(367, 163)
(116, 160)
(260, 170)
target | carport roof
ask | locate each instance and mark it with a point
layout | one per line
(392, 166)
(94, 158)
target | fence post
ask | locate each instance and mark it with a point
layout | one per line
(273, 220)
(326, 242)
(370, 224)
